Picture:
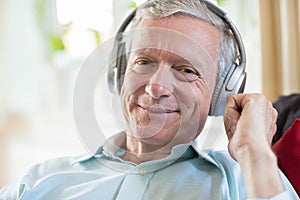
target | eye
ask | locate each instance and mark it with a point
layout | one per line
(142, 62)
(188, 70)
(187, 73)
(143, 66)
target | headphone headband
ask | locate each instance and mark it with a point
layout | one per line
(226, 18)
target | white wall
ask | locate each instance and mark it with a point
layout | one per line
(20, 55)
(36, 123)
(245, 14)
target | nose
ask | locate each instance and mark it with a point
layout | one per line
(160, 83)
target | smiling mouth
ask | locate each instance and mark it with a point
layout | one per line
(158, 110)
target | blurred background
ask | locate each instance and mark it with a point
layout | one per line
(43, 43)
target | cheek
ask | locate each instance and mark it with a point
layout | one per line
(125, 104)
(205, 94)
(204, 90)
(133, 82)
(196, 95)
(132, 87)
(196, 103)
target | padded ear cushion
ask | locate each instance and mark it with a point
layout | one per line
(232, 81)
(121, 66)
(219, 91)
(113, 68)
(117, 67)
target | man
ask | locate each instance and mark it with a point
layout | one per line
(166, 96)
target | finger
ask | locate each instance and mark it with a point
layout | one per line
(230, 126)
(234, 103)
(274, 125)
(234, 106)
(232, 115)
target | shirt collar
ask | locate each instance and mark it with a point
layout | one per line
(110, 147)
(115, 145)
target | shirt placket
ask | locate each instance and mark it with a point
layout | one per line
(136, 182)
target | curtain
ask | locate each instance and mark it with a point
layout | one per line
(280, 51)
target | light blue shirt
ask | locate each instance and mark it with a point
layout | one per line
(187, 173)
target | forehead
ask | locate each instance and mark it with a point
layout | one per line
(190, 38)
(179, 32)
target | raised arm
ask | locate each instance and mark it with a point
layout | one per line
(250, 123)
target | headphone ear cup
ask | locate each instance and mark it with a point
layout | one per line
(219, 92)
(231, 82)
(121, 66)
(117, 68)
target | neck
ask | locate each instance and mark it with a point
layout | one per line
(139, 152)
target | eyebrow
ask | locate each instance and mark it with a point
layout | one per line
(155, 52)
(144, 51)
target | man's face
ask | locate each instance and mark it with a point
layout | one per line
(169, 80)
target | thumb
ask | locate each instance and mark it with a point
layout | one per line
(232, 114)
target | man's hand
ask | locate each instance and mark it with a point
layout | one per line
(250, 123)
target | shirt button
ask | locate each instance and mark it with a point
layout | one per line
(142, 171)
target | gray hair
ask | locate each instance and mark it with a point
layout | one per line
(155, 9)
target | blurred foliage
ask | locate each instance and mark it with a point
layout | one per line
(97, 36)
(51, 35)
(39, 12)
(133, 5)
(57, 43)
(220, 2)
(52, 32)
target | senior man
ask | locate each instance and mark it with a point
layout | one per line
(167, 89)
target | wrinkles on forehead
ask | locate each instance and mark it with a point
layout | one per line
(198, 30)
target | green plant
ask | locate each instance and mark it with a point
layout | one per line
(52, 35)
(133, 5)
(55, 33)
(220, 2)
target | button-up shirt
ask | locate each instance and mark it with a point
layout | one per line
(187, 173)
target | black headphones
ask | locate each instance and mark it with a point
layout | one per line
(232, 81)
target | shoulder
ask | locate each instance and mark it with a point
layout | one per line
(223, 161)
(223, 157)
(54, 165)
(39, 172)
(59, 165)
(218, 158)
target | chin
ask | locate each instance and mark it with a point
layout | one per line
(155, 135)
